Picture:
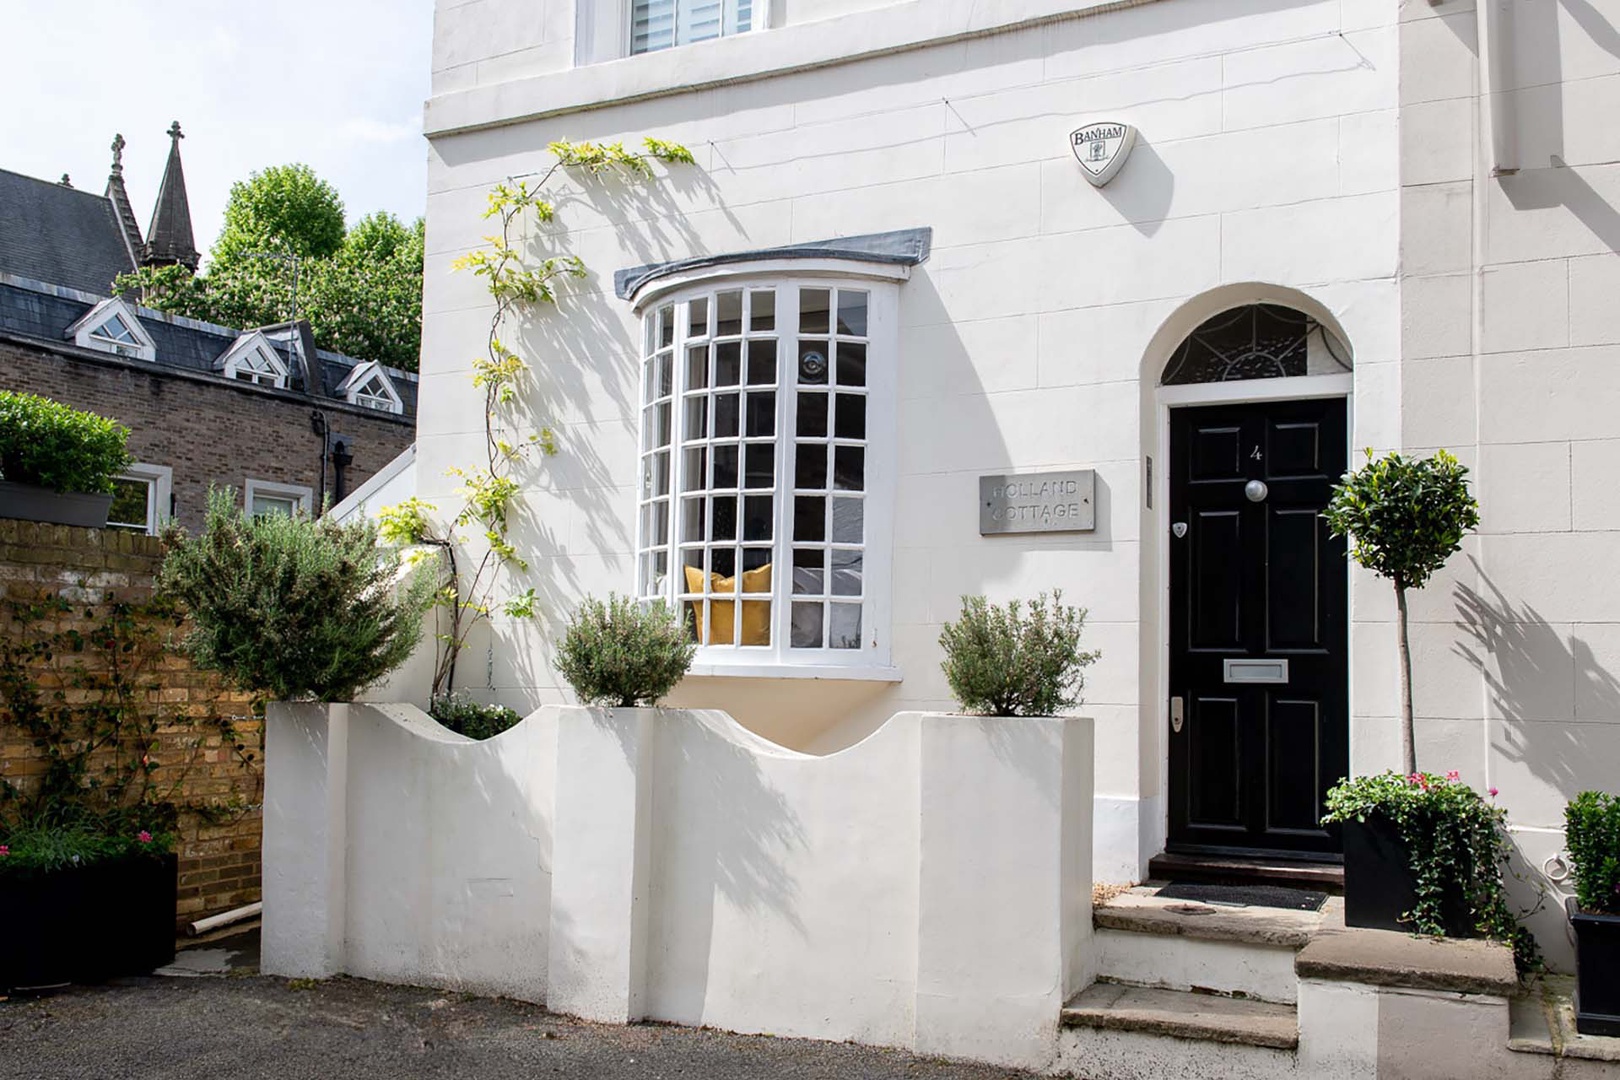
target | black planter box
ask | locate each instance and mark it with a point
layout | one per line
(1379, 886)
(88, 923)
(31, 503)
(1597, 971)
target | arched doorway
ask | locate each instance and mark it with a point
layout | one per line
(1254, 416)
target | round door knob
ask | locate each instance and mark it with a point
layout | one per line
(1256, 490)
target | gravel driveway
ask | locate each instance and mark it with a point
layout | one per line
(237, 1028)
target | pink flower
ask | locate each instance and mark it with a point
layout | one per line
(4, 851)
(144, 837)
(1454, 776)
(1415, 778)
(1491, 792)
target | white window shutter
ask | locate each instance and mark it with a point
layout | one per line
(652, 25)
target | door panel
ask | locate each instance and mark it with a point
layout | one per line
(1257, 580)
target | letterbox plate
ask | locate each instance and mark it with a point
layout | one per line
(1256, 671)
(1038, 502)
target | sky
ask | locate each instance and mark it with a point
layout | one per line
(336, 84)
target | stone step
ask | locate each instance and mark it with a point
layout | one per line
(1230, 870)
(1241, 969)
(1183, 1015)
(1141, 911)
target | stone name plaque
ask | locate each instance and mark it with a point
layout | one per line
(1038, 502)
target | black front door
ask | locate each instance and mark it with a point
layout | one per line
(1259, 726)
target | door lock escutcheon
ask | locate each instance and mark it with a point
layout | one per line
(1177, 715)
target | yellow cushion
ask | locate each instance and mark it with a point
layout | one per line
(756, 619)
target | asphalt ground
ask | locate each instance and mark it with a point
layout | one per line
(246, 1027)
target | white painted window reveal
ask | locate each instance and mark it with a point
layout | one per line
(263, 497)
(141, 498)
(766, 448)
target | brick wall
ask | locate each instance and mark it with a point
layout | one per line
(219, 860)
(208, 432)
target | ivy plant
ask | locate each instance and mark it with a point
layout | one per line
(1457, 843)
(1404, 518)
(519, 275)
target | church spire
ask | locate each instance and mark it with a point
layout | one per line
(119, 198)
(169, 239)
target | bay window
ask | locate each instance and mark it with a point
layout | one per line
(767, 420)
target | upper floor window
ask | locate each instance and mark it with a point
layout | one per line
(369, 386)
(251, 358)
(112, 327)
(663, 24)
(263, 497)
(141, 496)
(767, 452)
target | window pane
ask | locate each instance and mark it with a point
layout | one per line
(666, 374)
(725, 416)
(849, 468)
(725, 467)
(846, 573)
(809, 569)
(728, 364)
(756, 622)
(809, 518)
(760, 462)
(666, 326)
(852, 313)
(697, 416)
(810, 466)
(698, 317)
(692, 522)
(722, 565)
(759, 517)
(697, 367)
(660, 473)
(756, 558)
(273, 504)
(762, 311)
(723, 519)
(728, 313)
(131, 504)
(655, 524)
(655, 426)
(761, 363)
(697, 470)
(850, 421)
(851, 364)
(762, 415)
(813, 311)
(813, 363)
(807, 622)
(849, 517)
(845, 627)
(812, 419)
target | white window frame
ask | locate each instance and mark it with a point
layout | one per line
(159, 480)
(873, 659)
(362, 376)
(84, 331)
(302, 496)
(244, 349)
(603, 29)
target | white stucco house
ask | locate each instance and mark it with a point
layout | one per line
(891, 342)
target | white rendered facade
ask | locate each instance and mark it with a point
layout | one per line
(1331, 156)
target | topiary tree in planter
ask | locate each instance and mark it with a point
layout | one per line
(1000, 661)
(291, 607)
(1592, 832)
(1404, 518)
(622, 654)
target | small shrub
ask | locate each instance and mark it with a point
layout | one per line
(47, 444)
(1457, 843)
(1592, 833)
(292, 607)
(46, 848)
(1002, 662)
(473, 719)
(623, 654)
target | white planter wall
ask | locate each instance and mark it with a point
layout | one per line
(928, 888)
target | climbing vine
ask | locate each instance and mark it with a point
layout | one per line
(519, 278)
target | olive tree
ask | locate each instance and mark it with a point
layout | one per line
(1404, 518)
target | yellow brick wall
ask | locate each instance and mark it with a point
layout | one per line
(219, 861)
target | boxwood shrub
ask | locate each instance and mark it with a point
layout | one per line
(49, 445)
(1592, 832)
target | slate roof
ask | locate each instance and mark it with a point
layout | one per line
(59, 234)
(42, 312)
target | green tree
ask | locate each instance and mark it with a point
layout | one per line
(284, 208)
(1404, 518)
(360, 289)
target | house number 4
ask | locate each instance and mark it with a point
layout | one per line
(1255, 453)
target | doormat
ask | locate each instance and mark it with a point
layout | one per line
(1276, 896)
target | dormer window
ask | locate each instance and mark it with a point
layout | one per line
(663, 24)
(369, 386)
(252, 359)
(112, 327)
